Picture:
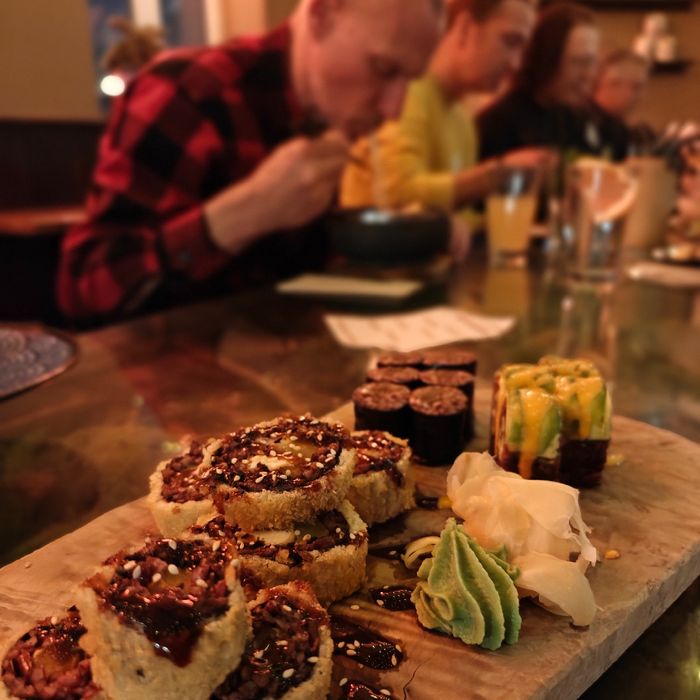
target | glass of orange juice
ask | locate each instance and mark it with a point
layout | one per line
(510, 212)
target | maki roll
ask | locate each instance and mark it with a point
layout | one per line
(407, 376)
(464, 381)
(450, 359)
(382, 406)
(552, 421)
(400, 359)
(438, 414)
(48, 662)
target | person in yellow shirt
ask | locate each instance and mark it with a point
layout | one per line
(429, 156)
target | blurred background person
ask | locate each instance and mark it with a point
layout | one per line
(429, 156)
(619, 90)
(546, 105)
(204, 156)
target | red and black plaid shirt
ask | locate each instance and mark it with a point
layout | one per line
(188, 126)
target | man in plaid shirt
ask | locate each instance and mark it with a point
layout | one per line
(204, 181)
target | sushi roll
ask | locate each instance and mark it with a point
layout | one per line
(382, 486)
(329, 551)
(48, 662)
(464, 381)
(168, 620)
(450, 359)
(407, 376)
(290, 653)
(382, 406)
(552, 421)
(269, 475)
(439, 414)
(400, 359)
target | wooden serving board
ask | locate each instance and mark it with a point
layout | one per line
(646, 508)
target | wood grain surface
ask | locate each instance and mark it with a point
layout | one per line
(646, 508)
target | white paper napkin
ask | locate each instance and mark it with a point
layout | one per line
(414, 330)
(680, 276)
(339, 286)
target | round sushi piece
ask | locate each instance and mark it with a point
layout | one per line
(407, 376)
(464, 381)
(329, 552)
(400, 359)
(168, 620)
(382, 406)
(269, 475)
(438, 419)
(48, 662)
(450, 359)
(290, 653)
(382, 485)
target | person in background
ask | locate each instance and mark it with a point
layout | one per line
(429, 156)
(546, 106)
(620, 87)
(205, 180)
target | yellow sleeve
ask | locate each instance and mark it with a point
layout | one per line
(409, 178)
(356, 182)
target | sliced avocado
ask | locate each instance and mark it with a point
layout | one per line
(514, 420)
(601, 408)
(550, 430)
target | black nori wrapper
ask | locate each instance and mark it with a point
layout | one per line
(382, 406)
(400, 359)
(542, 467)
(408, 376)
(582, 462)
(464, 381)
(438, 416)
(450, 359)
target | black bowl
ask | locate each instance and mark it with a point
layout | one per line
(386, 237)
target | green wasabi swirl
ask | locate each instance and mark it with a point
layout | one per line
(468, 592)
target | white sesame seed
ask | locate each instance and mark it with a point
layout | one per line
(354, 607)
(341, 645)
(54, 620)
(392, 553)
(219, 471)
(394, 660)
(398, 648)
(137, 573)
(350, 652)
(172, 569)
(380, 603)
(234, 460)
(282, 476)
(312, 659)
(237, 477)
(342, 682)
(338, 529)
(201, 583)
(297, 533)
(215, 546)
(288, 673)
(258, 654)
(352, 537)
(386, 692)
(155, 578)
(286, 608)
(129, 565)
(235, 563)
(288, 472)
(356, 644)
(27, 564)
(259, 479)
(172, 544)
(282, 643)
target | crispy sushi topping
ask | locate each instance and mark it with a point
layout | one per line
(169, 590)
(48, 663)
(181, 480)
(283, 455)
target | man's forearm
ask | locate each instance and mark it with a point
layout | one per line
(238, 216)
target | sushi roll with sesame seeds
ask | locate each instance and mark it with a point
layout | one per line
(382, 485)
(270, 475)
(329, 552)
(290, 654)
(47, 662)
(166, 621)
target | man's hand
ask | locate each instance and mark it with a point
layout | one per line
(294, 185)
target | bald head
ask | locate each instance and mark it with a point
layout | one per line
(354, 58)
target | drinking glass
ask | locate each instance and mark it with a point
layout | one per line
(597, 199)
(510, 212)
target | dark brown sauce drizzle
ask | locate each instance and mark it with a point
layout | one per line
(354, 690)
(393, 598)
(364, 646)
(427, 502)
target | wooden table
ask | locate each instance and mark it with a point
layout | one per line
(86, 441)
